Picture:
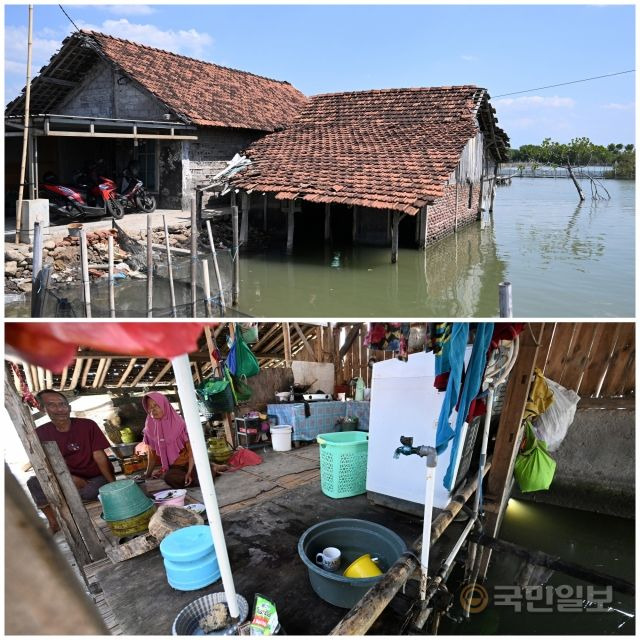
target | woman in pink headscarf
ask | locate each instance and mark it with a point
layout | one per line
(165, 433)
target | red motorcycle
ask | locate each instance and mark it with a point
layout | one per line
(82, 200)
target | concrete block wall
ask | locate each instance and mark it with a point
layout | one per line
(105, 93)
(595, 464)
(205, 157)
(442, 215)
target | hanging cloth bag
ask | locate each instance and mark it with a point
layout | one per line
(241, 360)
(534, 468)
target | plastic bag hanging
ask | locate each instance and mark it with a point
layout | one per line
(241, 361)
(534, 467)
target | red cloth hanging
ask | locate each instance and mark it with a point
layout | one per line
(53, 345)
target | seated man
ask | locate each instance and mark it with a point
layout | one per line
(82, 445)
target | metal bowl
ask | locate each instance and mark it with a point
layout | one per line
(124, 450)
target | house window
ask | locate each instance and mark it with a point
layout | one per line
(147, 164)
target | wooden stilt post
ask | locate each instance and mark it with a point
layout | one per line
(149, 267)
(480, 198)
(212, 244)
(500, 480)
(265, 212)
(235, 257)
(112, 297)
(494, 186)
(244, 229)
(174, 311)
(327, 222)
(194, 258)
(86, 286)
(354, 225)
(290, 222)
(505, 300)
(394, 237)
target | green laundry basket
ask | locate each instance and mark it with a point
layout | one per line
(343, 463)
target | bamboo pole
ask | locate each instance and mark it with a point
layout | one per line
(112, 296)
(207, 287)
(172, 290)
(236, 256)
(187, 395)
(194, 258)
(149, 267)
(505, 300)
(26, 132)
(84, 260)
(216, 267)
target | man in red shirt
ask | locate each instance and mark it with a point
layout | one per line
(82, 445)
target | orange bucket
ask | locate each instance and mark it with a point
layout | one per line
(362, 567)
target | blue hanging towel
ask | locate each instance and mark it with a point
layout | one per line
(470, 389)
(454, 363)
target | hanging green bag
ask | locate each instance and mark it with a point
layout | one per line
(242, 389)
(534, 468)
(241, 360)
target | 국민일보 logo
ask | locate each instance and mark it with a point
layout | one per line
(474, 598)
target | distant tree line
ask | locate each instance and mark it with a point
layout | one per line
(579, 152)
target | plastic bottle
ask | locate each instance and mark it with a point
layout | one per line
(359, 395)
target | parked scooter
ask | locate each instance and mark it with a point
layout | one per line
(82, 200)
(133, 195)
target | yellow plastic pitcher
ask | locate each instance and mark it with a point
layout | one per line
(362, 567)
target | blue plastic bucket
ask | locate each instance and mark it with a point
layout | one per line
(190, 558)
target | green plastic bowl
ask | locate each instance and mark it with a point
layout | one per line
(122, 500)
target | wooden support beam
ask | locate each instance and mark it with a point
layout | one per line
(98, 375)
(126, 373)
(394, 237)
(49, 378)
(85, 374)
(290, 224)
(244, 227)
(327, 222)
(34, 377)
(351, 336)
(41, 380)
(286, 334)
(77, 369)
(105, 371)
(509, 434)
(163, 372)
(94, 544)
(26, 430)
(143, 371)
(305, 342)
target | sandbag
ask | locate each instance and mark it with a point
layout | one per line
(534, 467)
(552, 425)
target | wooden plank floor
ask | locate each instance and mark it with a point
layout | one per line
(279, 473)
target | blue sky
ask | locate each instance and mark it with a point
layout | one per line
(328, 48)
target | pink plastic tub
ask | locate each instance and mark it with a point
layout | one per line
(171, 496)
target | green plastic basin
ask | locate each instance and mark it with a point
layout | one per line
(354, 538)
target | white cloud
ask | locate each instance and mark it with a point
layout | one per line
(526, 102)
(45, 44)
(469, 58)
(186, 42)
(127, 9)
(616, 106)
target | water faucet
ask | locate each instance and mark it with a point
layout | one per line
(407, 449)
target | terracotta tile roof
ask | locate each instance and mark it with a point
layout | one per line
(386, 149)
(208, 94)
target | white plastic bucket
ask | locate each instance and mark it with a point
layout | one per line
(281, 437)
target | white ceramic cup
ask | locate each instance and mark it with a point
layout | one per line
(329, 559)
